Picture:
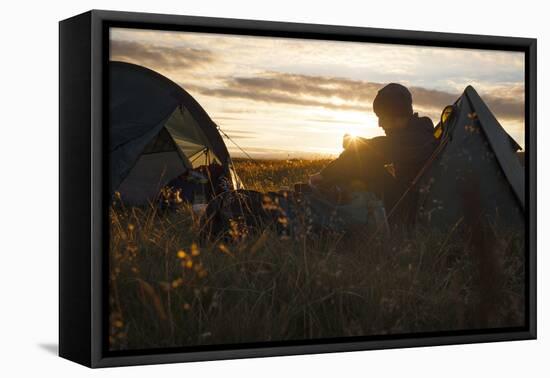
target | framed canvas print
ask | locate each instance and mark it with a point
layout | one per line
(234, 188)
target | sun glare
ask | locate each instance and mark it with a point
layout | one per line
(351, 133)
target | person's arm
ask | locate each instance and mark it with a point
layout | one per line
(339, 169)
(336, 169)
(361, 157)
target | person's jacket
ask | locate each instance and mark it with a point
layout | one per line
(403, 153)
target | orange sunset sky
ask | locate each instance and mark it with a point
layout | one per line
(290, 98)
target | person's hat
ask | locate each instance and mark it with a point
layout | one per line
(393, 99)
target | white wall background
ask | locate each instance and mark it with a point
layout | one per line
(29, 176)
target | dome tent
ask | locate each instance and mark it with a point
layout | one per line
(474, 168)
(157, 132)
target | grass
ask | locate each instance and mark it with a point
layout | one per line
(271, 175)
(167, 288)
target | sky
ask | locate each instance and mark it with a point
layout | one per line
(295, 98)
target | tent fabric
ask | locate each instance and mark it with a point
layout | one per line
(500, 141)
(125, 156)
(151, 115)
(150, 174)
(191, 139)
(477, 168)
(163, 142)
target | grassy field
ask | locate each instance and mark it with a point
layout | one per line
(169, 288)
(271, 175)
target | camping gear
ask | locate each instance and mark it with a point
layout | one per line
(304, 211)
(474, 168)
(158, 132)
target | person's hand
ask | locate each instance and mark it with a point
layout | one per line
(315, 180)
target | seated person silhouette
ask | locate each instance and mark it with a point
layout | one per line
(385, 165)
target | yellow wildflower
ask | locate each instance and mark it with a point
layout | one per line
(195, 249)
(177, 282)
(225, 250)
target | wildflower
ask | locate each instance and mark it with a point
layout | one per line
(182, 254)
(203, 273)
(189, 264)
(225, 250)
(195, 249)
(234, 229)
(283, 221)
(177, 283)
(269, 204)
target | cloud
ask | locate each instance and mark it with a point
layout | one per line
(351, 95)
(293, 89)
(239, 133)
(507, 103)
(333, 120)
(276, 87)
(277, 98)
(154, 55)
(234, 135)
(507, 108)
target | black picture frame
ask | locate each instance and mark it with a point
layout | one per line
(83, 196)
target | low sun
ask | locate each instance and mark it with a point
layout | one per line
(352, 133)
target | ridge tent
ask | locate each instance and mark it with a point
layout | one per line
(158, 131)
(475, 168)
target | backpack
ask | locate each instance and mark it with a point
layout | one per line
(234, 215)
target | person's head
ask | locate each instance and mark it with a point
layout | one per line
(393, 106)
